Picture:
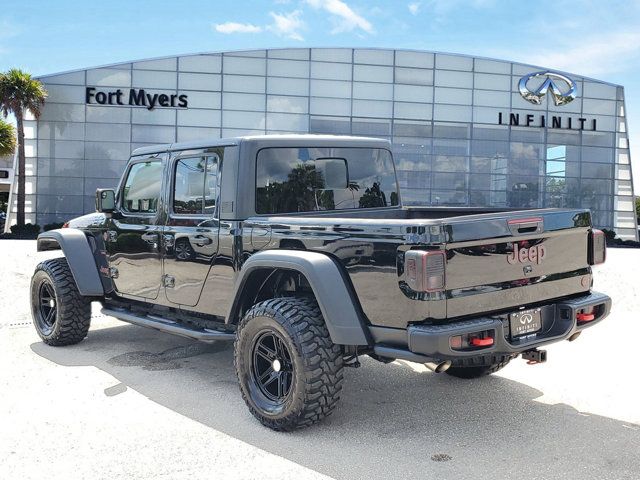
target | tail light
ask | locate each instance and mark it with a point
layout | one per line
(65, 225)
(597, 247)
(424, 271)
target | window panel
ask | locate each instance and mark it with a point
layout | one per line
(287, 122)
(491, 99)
(414, 59)
(413, 93)
(446, 78)
(450, 197)
(330, 88)
(485, 81)
(287, 104)
(109, 77)
(243, 83)
(450, 147)
(244, 65)
(372, 108)
(243, 101)
(291, 180)
(363, 126)
(332, 125)
(331, 71)
(330, 106)
(411, 129)
(199, 81)
(483, 132)
(454, 62)
(451, 130)
(363, 73)
(288, 68)
(373, 56)
(373, 91)
(413, 76)
(598, 139)
(142, 187)
(412, 111)
(200, 63)
(150, 79)
(597, 170)
(452, 113)
(288, 86)
(449, 163)
(596, 154)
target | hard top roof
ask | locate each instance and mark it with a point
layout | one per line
(269, 140)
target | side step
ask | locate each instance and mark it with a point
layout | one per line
(169, 326)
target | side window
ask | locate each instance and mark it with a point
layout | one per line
(142, 187)
(196, 185)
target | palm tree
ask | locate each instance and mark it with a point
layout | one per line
(7, 138)
(20, 93)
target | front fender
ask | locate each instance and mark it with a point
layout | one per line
(76, 249)
(333, 293)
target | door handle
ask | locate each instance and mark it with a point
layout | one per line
(149, 237)
(202, 241)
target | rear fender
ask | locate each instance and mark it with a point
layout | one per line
(333, 292)
(76, 249)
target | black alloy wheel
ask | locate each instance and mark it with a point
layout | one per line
(272, 369)
(47, 308)
(289, 370)
(61, 315)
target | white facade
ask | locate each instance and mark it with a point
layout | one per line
(448, 117)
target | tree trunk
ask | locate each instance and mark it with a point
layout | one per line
(21, 168)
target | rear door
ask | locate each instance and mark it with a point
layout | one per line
(499, 261)
(190, 236)
(133, 237)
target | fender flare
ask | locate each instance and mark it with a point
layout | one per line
(76, 249)
(333, 292)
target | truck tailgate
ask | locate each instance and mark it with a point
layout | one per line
(498, 261)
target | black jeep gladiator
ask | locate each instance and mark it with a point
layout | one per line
(298, 248)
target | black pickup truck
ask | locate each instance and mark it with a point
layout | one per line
(298, 248)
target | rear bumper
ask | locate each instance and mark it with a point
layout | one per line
(559, 322)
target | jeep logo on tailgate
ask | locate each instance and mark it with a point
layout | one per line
(534, 254)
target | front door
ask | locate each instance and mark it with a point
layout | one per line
(190, 236)
(133, 238)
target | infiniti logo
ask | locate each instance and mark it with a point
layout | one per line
(526, 318)
(562, 88)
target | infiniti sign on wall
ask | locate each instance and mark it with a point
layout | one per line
(562, 89)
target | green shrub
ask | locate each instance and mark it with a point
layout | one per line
(27, 230)
(609, 234)
(52, 226)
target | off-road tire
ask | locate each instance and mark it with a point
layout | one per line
(72, 310)
(316, 362)
(476, 368)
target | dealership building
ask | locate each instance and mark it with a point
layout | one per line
(466, 131)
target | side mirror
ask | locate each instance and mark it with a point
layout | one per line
(105, 200)
(334, 172)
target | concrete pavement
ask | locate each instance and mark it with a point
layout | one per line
(131, 402)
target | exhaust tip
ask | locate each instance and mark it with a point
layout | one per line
(439, 367)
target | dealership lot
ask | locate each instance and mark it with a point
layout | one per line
(131, 402)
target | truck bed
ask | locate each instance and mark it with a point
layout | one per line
(370, 244)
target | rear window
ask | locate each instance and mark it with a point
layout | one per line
(317, 179)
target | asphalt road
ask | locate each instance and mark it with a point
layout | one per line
(134, 403)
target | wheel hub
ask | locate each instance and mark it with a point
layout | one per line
(276, 365)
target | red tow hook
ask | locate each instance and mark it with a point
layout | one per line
(585, 317)
(482, 342)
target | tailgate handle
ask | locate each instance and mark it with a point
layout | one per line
(521, 226)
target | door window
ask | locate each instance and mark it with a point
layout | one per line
(142, 188)
(196, 185)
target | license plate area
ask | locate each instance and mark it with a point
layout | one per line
(525, 322)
